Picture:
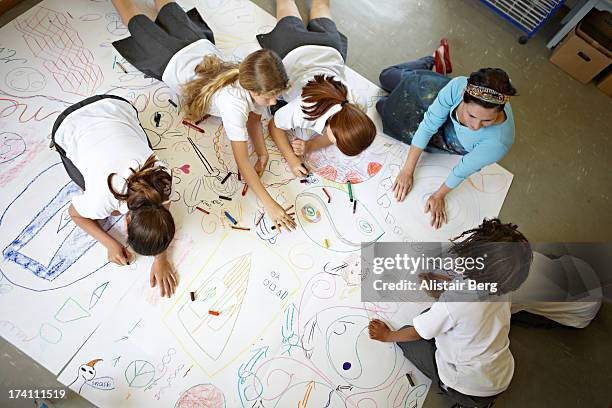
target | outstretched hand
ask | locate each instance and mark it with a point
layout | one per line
(436, 205)
(379, 330)
(402, 185)
(163, 276)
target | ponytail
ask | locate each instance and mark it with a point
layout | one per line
(261, 72)
(212, 74)
(151, 226)
(353, 129)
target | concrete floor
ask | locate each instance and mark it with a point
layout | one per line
(562, 188)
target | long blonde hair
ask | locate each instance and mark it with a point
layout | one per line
(261, 72)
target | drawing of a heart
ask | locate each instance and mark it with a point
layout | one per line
(184, 168)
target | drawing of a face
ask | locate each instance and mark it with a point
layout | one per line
(87, 371)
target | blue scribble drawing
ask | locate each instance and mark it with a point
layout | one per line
(250, 387)
(291, 338)
(74, 245)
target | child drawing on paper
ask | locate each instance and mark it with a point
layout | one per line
(106, 152)
(318, 97)
(179, 49)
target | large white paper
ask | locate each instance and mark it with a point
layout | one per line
(291, 328)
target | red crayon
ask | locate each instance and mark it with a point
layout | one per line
(245, 189)
(203, 210)
(203, 119)
(213, 312)
(191, 125)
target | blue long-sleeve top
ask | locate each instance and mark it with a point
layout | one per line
(485, 146)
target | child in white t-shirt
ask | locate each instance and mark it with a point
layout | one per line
(463, 346)
(318, 98)
(561, 291)
(178, 49)
(106, 152)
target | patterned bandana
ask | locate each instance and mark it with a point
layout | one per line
(487, 94)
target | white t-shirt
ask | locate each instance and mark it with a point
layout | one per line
(549, 279)
(181, 67)
(302, 64)
(231, 103)
(473, 355)
(101, 138)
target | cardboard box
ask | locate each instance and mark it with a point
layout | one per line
(605, 84)
(580, 59)
(596, 28)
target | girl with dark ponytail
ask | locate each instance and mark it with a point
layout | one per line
(106, 152)
(318, 98)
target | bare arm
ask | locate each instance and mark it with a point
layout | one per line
(255, 131)
(278, 215)
(282, 142)
(403, 181)
(116, 252)
(316, 143)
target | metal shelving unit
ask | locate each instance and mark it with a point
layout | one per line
(528, 15)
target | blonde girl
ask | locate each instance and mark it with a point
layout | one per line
(178, 48)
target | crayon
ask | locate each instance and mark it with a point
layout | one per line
(326, 243)
(288, 208)
(328, 196)
(229, 217)
(192, 296)
(354, 206)
(245, 189)
(172, 103)
(304, 181)
(350, 190)
(410, 380)
(239, 176)
(122, 67)
(214, 313)
(259, 219)
(203, 210)
(191, 125)
(225, 198)
(240, 228)
(203, 119)
(226, 177)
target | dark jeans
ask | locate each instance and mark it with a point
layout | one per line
(422, 353)
(412, 88)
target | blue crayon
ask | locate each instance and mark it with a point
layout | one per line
(229, 217)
